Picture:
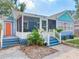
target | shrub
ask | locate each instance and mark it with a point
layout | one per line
(35, 38)
(65, 37)
(59, 30)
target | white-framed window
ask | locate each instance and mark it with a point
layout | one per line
(44, 24)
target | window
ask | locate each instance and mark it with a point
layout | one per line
(19, 25)
(44, 25)
(25, 27)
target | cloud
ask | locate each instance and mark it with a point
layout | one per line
(29, 4)
(51, 0)
(48, 1)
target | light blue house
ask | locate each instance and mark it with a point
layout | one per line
(8, 32)
(64, 21)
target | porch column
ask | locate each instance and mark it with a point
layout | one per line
(60, 37)
(40, 23)
(47, 25)
(22, 24)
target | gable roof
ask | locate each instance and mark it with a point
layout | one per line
(58, 14)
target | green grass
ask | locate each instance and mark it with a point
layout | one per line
(74, 42)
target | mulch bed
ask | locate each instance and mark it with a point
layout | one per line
(37, 52)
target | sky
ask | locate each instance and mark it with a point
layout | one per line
(48, 7)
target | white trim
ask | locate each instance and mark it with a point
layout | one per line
(40, 24)
(1, 38)
(48, 38)
(22, 22)
(60, 37)
(23, 35)
(22, 25)
(47, 25)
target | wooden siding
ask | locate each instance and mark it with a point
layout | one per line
(65, 22)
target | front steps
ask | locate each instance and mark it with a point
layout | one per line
(53, 41)
(9, 42)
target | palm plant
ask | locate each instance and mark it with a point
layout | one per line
(35, 39)
(22, 8)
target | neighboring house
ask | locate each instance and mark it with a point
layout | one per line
(76, 28)
(8, 32)
(64, 21)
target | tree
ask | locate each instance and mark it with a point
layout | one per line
(22, 7)
(6, 7)
(77, 9)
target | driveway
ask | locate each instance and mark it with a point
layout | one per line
(65, 52)
(12, 53)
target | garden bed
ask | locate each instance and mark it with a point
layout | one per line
(37, 52)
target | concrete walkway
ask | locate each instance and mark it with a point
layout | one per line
(12, 53)
(65, 52)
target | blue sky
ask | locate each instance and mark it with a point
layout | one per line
(48, 7)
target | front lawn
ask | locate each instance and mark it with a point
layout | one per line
(74, 42)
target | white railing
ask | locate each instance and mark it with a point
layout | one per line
(57, 35)
(1, 38)
(46, 36)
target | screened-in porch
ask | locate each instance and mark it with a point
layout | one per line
(26, 24)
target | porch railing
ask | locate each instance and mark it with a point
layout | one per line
(57, 35)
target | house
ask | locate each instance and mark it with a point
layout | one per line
(31, 21)
(64, 21)
(8, 32)
(17, 30)
(76, 28)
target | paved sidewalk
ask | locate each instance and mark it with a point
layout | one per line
(65, 52)
(12, 53)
